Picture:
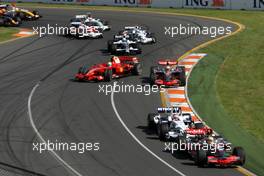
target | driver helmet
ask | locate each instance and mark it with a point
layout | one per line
(167, 68)
(115, 60)
(89, 15)
(109, 64)
(210, 140)
(175, 117)
(2, 11)
(124, 39)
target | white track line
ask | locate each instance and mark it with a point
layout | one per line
(136, 139)
(54, 154)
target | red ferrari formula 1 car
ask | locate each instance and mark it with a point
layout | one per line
(168, 73)
(116, 68)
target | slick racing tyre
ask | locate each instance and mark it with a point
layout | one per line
(154, 40)
(151, 123)
(138, 46)
(83, 70)
(201, 158)
(22, 15)
(239, 151)
(109, 45)
(152, 76)
(182, 76)
(163, 129)
(108, 75)
(18, 20)
(137, 70)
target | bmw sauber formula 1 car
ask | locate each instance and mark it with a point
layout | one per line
(169, 126)
(88, 17)
(219, 154)
(138, 34)
(95, 24)
(123, 46)
(9, 19)
(168, 73)
(116, 68)
(24, 14)
(174, 125)
(80, 30)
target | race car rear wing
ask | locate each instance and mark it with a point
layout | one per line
(80, 16)
(169, 110)
(167, 62)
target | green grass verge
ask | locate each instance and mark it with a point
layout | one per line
(7, 33)
(226, 87)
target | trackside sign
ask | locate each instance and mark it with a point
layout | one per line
(219, 4)
(210, 4)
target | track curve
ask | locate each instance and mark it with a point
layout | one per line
(76, 112)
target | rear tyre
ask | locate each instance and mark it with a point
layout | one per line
(106, 23)
(108, 75)
(18, 20)
(154, 40)
(109, 45)
(239, 151)
(182, 76)
(138, 46)
(83, 70)
(152, 77)
(22, 16)
(151, 123)
(137, 70)
(35, 12)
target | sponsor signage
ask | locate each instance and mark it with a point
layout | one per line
(258, 4)
(125, 2)
(205, 3)
(196, 3)
(219, 4)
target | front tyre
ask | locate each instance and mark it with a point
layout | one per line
(239, 151)
(137, 70)
(201, 158)
(108, 75)
(163, 130)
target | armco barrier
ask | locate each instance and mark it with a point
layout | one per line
(208, 4)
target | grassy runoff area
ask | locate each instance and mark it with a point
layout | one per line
(7, 33)
(226, 87)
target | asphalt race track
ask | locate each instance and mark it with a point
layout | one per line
(69, 111)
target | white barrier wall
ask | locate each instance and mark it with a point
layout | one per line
(211, 4)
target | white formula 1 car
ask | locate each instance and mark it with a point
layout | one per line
(138, 34)
(124, 46)
(170, 126)
(80, 30)
(88, 20)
